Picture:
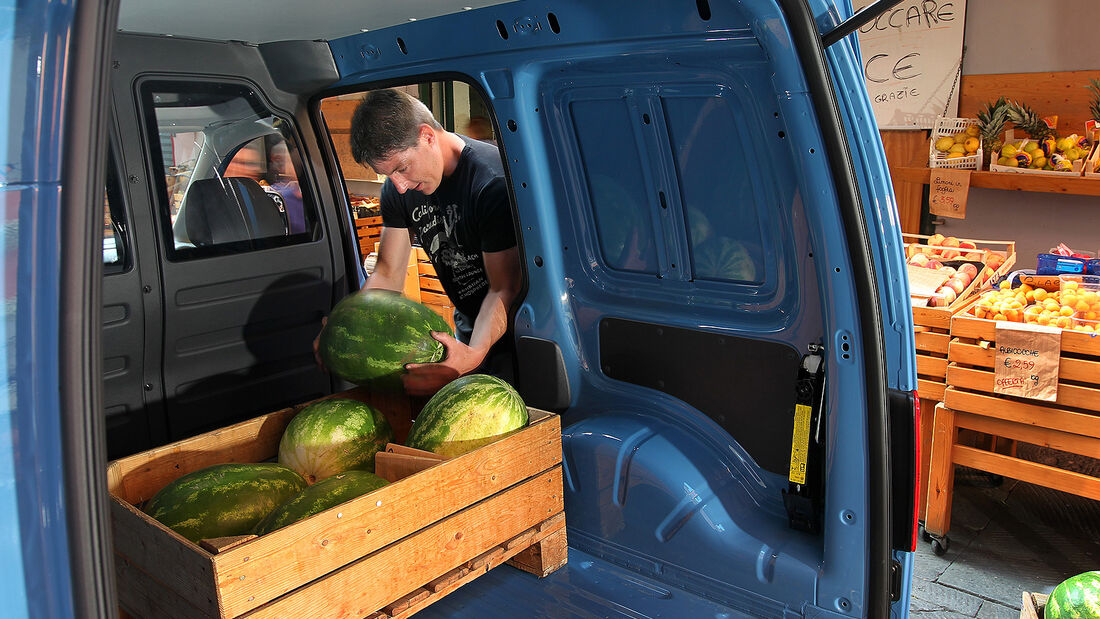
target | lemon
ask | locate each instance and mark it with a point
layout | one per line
(960, 137)
(954, 155)
(945, 143)
(1073, 154)
(1031, 147)
(1039, 162)
(973, 131)
(957, 148)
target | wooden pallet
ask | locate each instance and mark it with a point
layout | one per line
(389, 553)
(1071, 423)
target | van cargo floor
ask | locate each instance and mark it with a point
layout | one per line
(586, 587)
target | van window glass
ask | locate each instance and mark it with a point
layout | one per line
(619, 202)
(112, 250)
(115, 247)
(722, 222)
(231, 170)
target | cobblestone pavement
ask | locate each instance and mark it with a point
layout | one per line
(1005, 539)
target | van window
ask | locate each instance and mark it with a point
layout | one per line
(722, 222)
(115, 249)
(721, 228)
(231, 170)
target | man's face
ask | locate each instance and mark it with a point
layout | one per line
(419, 168)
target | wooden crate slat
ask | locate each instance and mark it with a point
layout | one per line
(145, 597)
(1031, 414)
(273, 564)
(1069, 368)
(930, 389)
(368, 584)
(431, 298)
(431, 284)
(931, 366)
(372, 221)
(140, 540)
(966, 325)
(1045, 437)
(932, 342)
(1031, 472)
(1073, 396)
(421, 255)
(137, 478)
(463, 575)
(935, 317)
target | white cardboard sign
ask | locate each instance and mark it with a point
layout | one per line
(911, 56)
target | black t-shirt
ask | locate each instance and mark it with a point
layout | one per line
(468, 214)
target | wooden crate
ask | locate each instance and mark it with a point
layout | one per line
(1071, 423)
(932, 324)
(431, 289)
(388, 553)
(1032, 605)
(368, 230)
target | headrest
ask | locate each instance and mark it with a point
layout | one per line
(231, 209)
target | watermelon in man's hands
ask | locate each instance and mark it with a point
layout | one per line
(370, 336)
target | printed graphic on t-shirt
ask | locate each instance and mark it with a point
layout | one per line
(436, 228)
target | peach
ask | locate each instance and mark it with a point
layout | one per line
(994, 261)
(956, 284)
(934, 264)
(949, 270)
(919, 260)
(936, 239)
(950, 254)
(974, 255)
(967, 245)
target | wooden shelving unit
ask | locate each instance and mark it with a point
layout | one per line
(1069, 185)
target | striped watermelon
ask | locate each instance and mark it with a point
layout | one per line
(1077, 597)
(467, 413)
(322, 495)
(370, 336)
(224, 499)
(332, 436)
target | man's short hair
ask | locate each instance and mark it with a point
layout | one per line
(385, 122)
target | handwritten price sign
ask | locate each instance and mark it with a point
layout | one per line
(1027, 361)
(948, 190)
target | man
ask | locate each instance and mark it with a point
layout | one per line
(449, 192)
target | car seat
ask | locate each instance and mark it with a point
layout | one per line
(230, 209)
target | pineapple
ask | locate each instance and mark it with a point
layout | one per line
(991, 122)
(1025, 119)
(1094, 105)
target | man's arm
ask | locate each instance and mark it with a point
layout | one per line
(504, 272)
(393, 260)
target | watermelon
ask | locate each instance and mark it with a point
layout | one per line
(224, 499)
(467, 413)
(322, 495)
(371, 335)
(1077, 597)
(332, 436)
(724, 258)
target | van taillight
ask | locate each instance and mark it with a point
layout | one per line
(916, 470)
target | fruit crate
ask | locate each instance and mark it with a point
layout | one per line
(1092, 164)
(388, 553)
(932, 324)
(1069, 424)
(1077, 166)
(949, 127)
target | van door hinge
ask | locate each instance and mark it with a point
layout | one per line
(805, 487)
(895, 580)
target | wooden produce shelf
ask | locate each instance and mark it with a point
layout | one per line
(387, 553)
(1068, 185)
(1070, 424)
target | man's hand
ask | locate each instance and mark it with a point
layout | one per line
(424, 379)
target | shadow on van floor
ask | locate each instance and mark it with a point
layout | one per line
(1005, 540)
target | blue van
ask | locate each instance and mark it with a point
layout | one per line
(714, 294)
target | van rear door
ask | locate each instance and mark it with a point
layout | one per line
(704, 303)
